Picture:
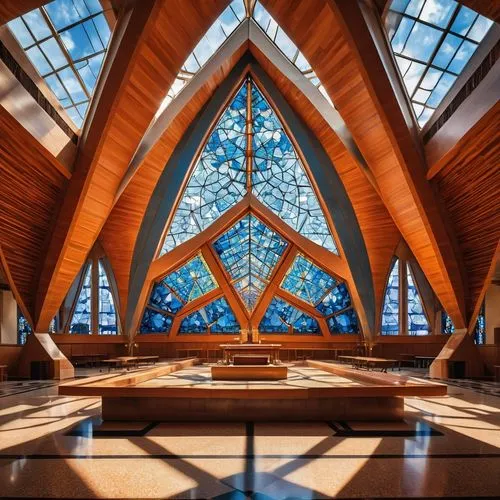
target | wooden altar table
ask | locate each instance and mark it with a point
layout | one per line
(230, 349)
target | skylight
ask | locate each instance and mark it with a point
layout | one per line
(286, 46)
(433, 40)
(216, 35)
(66, 41)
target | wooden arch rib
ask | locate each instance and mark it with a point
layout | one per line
(336, 40)
(148, 47)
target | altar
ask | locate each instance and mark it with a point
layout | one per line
(229, 350)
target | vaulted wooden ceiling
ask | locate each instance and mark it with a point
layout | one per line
(49, 224)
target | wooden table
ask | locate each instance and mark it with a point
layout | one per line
(3, 372)
(148, 359)
(125, 361)
(382, 363)
(424, 361)
(230, 349)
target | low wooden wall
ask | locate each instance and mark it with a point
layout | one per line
(490, 354)
(394, 346)
(9, 355)
(81, 345)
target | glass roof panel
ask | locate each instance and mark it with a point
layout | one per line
(279, 179)
(71, 36)
(430, 35)
(249, 251)
(390, 311)
(280, 316)
(307, 281)
(216, 35)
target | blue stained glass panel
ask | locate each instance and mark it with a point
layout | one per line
(480, 328)
(218, 181)
(345, 322)
(336, 300)
(107, 311)
(447, 326)
(390, 311)
(279, 179)
(23, 328)
(81, 321)
(249, 252)
(307, 281)
(417, 321)
(155, 322)
(280, 315)
(192, 280)
(216, 316)
(163, 298)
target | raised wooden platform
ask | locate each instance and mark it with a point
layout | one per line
(249, 372)
(315, 390)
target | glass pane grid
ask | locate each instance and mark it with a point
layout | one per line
(66, 41)
(433, 41)
(107, 311)
(81, 321)
(417, 320)
(390, 311)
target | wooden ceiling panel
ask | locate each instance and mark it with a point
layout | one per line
(469, 187)
(10, 9)
(335, 39)
(149, 46)
(379, 231)
(31, 185)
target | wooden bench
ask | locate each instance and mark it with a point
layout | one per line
(368, 362)
(424, 361)
(147, 359)
(3, 372)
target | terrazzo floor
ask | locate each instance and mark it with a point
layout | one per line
(57, 447)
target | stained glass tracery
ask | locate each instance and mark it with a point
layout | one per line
(390, 311)
(173, 292)
(417, 321)
(215, 317)
(330, 297)
(249, 251)
(82, 318)
(281, 317)
(107, 311)
(277, 177)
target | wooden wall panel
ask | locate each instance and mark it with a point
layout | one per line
(10, 9)
(379, 231)
(149, 46)
(335, 39)
(31, 185)
(469, 185)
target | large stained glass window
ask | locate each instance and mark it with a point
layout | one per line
(66, 41)
(433, 40)
(107, 311)
(390, 311)
(249, 251)
(173, 292)
(23, 328)
(282, 317)
(82, 315)
(216, 317)
(417, 321)
(480, 328)
(328, 295)
(274, 174)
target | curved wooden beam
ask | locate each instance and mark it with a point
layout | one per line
(336, 39)
(147, 49)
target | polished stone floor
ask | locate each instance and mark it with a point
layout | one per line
(57, 447)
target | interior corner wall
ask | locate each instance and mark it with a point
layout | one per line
(8, 318)
(492, 312)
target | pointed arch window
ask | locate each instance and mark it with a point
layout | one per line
(231, 165)
(447, 326)
(94, 309)
(66, 41)
(402, 300)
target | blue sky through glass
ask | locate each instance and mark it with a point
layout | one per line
(433, 40)
(66, 41)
